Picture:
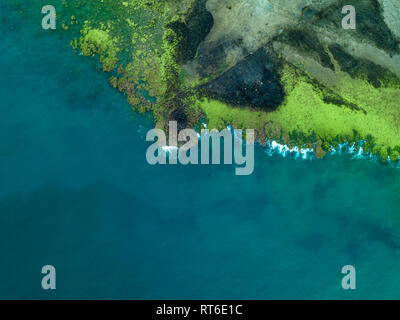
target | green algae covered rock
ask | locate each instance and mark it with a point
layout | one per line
(287, 69)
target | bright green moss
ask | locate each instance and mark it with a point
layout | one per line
(97, 41)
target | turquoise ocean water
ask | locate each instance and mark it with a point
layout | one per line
(76, 192)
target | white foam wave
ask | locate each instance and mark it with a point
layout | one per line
(355, 150)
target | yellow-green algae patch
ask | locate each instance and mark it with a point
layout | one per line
(133, 41)
(98, 41)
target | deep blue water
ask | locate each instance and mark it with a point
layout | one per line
(76, 192)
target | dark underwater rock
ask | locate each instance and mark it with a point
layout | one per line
(180, 116)
(249, 83)
(193, 31)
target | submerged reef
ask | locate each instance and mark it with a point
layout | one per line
(284, 68)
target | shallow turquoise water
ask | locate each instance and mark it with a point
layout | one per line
(76, 192)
